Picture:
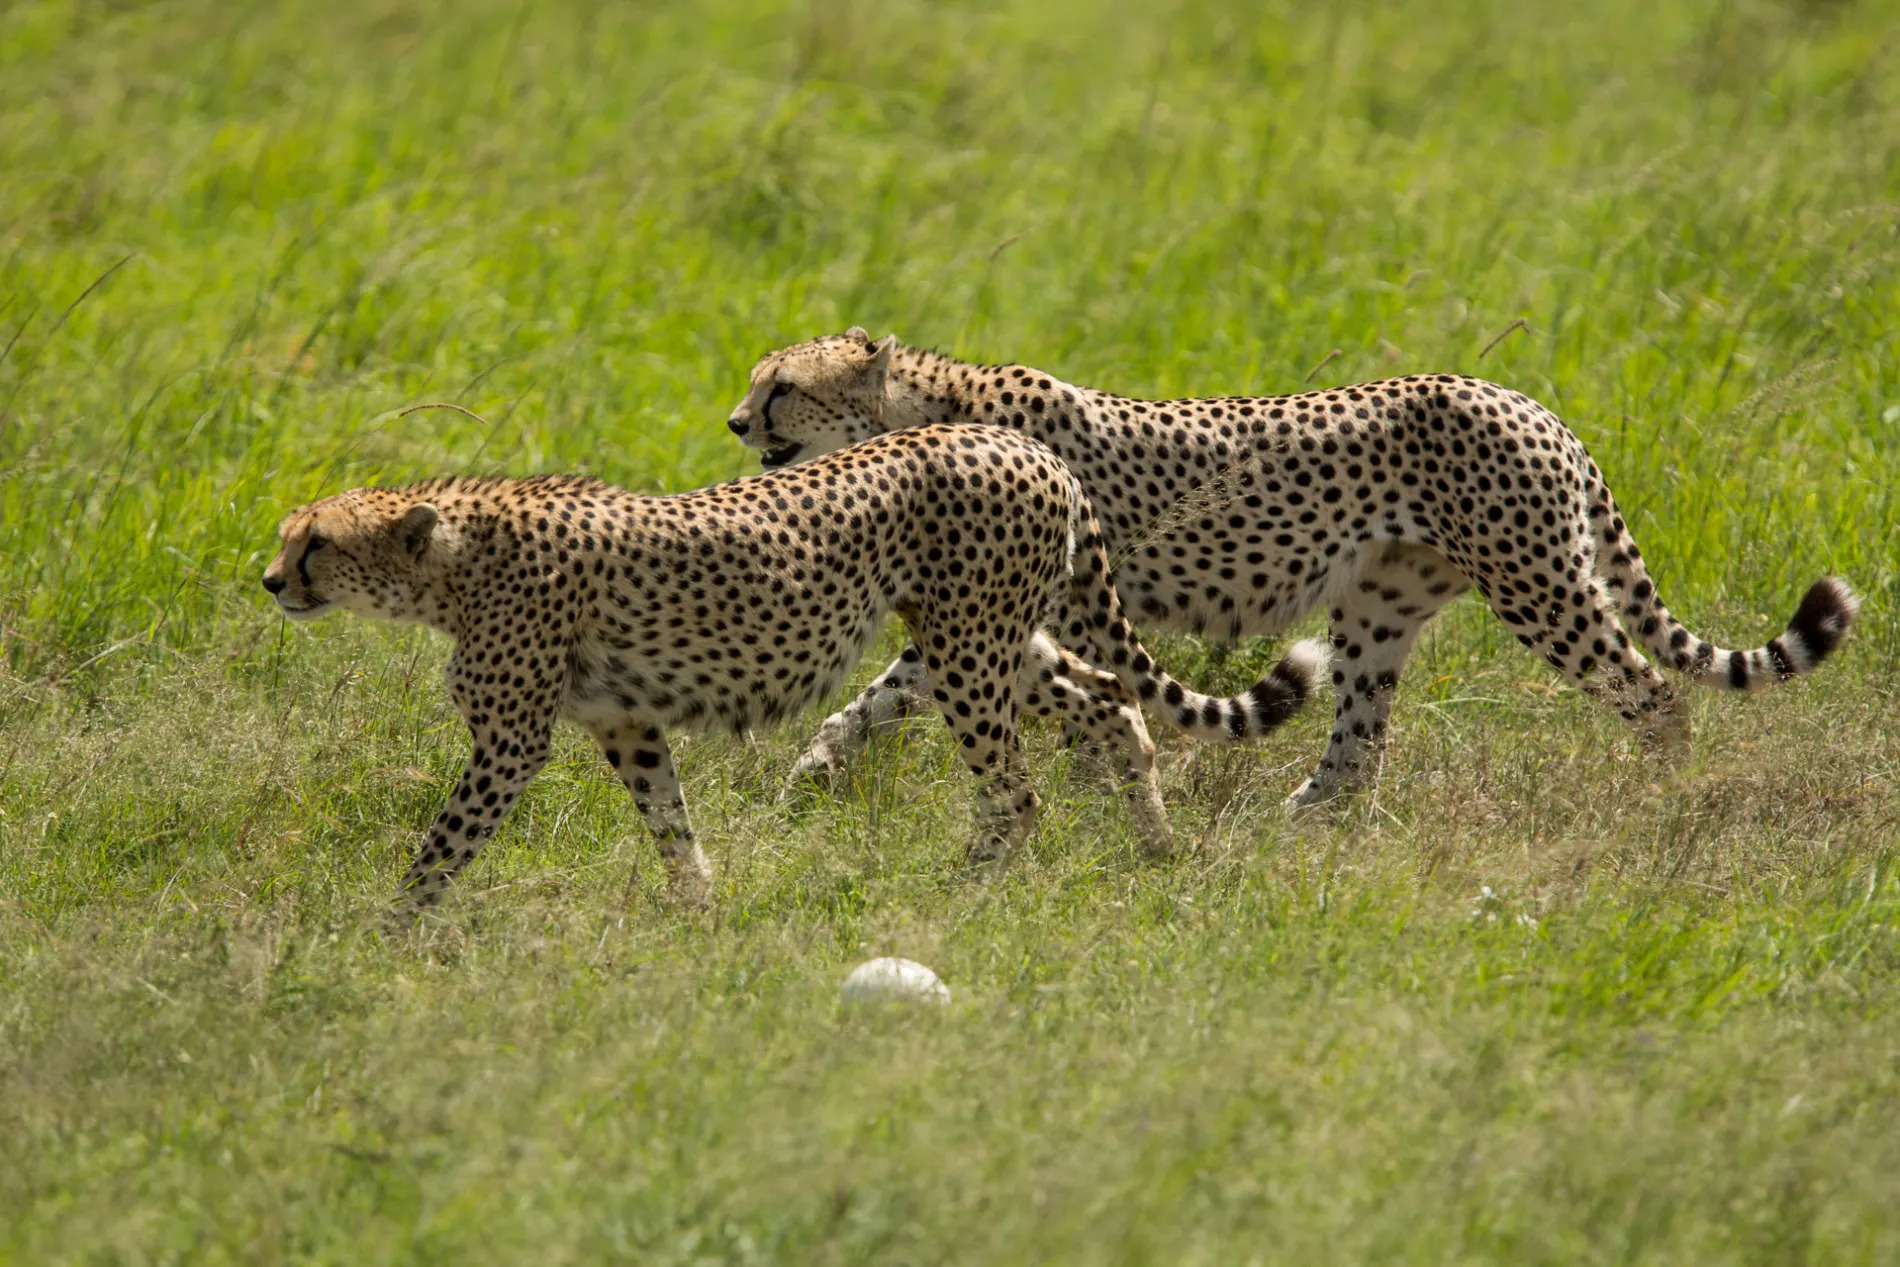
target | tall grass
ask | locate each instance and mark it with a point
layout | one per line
(1536, 1001)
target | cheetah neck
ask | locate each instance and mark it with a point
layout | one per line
(927, 387)
(467, 523)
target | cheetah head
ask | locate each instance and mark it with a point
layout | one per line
(818, 396)
(365, 551)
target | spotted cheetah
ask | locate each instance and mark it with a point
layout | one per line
(736, 605)
(1234, 517)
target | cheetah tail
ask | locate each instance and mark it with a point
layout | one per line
(1092, 622)
(1815, 630)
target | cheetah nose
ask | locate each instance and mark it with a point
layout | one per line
(739, 426)
(274, 584)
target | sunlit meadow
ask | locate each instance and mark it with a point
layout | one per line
(1538, 1000)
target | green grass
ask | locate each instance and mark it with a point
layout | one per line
(1538, 1001)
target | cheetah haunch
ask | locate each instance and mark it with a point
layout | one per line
(736, 605)
(1234, 517)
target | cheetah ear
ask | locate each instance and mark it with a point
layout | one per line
(859, 333)
(881, 354)
(418, 524)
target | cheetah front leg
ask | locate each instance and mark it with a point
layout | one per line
(640, 756)
(1373, 629)
(511, 733)
(984, 725)
(500, 766)
(895, 694)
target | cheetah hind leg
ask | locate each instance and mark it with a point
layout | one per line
(639, 754)
(1601, 660)
(1094, 707)
(989, 747)
(894, 695)
(1006, 801)
(1644, 699)
(1096, 682)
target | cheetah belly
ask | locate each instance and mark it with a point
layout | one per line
(1251, 590)
(749, 674)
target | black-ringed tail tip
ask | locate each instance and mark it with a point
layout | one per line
(1291, 683)
(1814, 632)
(1264, 706)
(1827, 611)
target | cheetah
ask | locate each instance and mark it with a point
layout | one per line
(1233, 517)
(736, 605)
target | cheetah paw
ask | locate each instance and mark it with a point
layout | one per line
(817, 772)
(1312, 803)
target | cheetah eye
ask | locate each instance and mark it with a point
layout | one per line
(315, 543)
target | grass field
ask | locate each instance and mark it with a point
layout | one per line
(1538, 1001)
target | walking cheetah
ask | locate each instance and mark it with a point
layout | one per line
(735, 605)
(1237, 516)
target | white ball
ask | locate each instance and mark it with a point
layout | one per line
(894, 980)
